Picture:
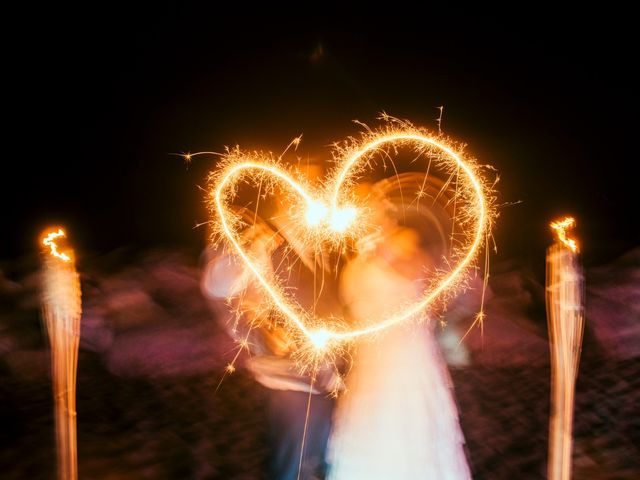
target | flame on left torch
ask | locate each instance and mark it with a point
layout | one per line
(565, 319)
(61, 309)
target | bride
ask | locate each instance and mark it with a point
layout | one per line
(398, 418)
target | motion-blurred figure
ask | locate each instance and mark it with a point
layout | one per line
(242, 307)
(398, 418)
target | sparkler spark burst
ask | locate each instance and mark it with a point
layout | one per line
(560, 227)
(331, 217)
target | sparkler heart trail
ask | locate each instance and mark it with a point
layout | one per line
(332, 217)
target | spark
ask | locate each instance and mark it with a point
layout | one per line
(49, 241)
(560, 227)
(331, 215)
(439, 119)
(306, 421)
(188, 156)
(295, 143)
(230, 368)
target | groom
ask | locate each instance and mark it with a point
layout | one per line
(298, 413)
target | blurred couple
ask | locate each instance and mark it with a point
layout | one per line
(395, 416)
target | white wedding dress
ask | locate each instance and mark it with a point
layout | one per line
(398, 419)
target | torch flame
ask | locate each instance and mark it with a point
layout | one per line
(49, 241)
(560, 227)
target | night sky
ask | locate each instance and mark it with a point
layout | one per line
(99, 100)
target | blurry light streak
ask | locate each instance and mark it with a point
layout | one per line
(61, 308)
(565, 319)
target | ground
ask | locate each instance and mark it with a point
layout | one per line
(148, 405)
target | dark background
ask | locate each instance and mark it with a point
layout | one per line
(94, 103)
(99, 100)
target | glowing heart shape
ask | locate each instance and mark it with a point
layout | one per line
(327, 214)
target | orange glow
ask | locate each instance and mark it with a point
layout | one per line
(560, 227)
(320, 338)
(49, 241)
(61, 309)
